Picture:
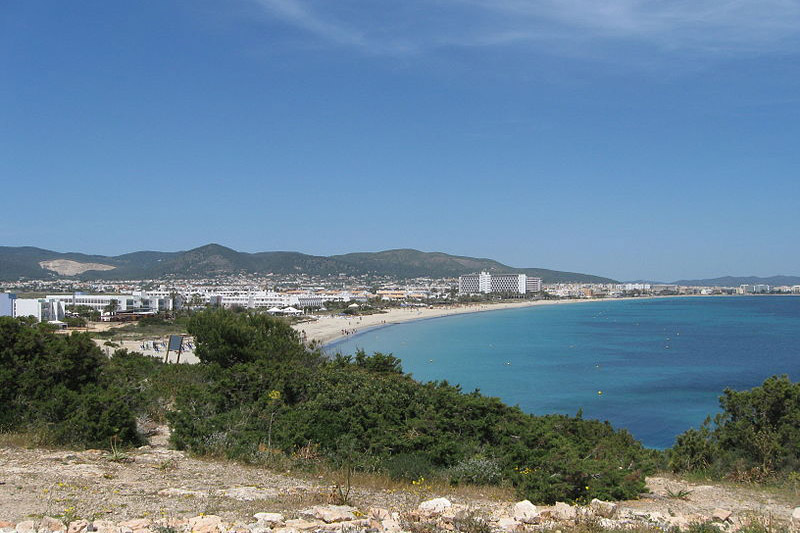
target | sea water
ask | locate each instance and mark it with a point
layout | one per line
(653, 366)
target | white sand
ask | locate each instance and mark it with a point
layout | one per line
(329, 328)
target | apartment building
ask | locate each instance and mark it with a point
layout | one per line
(485, 283)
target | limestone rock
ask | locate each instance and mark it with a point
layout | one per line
(602, 508)
(183, 493)
(78, 526)
(49, 523)
(721, 515)
(456, 512)
(26, 526)
(525, 512)
(140, 524)
(434, 506)
(330, 513)
(390, 525)
(270, 519)
(205, 524)
(248, 494)
(302, 524)
(795, 517)
(564, 511)
(508, 524)
(105, 526)
(347, 526)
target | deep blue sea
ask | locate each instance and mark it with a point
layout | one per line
(660, 364)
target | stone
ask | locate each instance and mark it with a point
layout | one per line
(286, 530)
(48, 523)
(248, 494)
(434, 506)
(795, 518)
(390, 525)
(302, 524)
(608, 524)
(136, 525)
(602, 508)
(508, 524)
(270, 519)
(183, 493)
(26, 526)
(721, 515)
(525, 512)
(105, 526)
(78, 526)
(330, 513)
(564, 511)
(205, 524)
(347, 526)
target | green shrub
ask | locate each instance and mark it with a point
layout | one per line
(259, 387)
(476, 470)
(755, 438)
(409, 466)
(53, 384)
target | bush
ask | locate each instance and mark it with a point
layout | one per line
(755, 438)
(476, 470)
(259, 387)
(53, 384)
(409, 466)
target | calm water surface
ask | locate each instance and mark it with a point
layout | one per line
(660, 364)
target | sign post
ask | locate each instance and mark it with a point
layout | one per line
(175, 343)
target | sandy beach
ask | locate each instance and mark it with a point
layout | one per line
(327, 329)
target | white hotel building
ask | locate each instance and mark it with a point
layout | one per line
(485, 283)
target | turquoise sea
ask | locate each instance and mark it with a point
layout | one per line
(660, 364)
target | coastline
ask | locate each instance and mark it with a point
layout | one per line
(329, 329)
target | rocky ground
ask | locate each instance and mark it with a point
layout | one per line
(154, 489)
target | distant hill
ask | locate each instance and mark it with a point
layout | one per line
(734, 281)
(214, 260)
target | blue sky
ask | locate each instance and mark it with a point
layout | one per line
(628, 138)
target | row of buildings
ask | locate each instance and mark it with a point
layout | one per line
(54, 307)
(486, 283)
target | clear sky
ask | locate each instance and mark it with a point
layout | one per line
(635, 139)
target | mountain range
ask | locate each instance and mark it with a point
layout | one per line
(214, 260)
(734, 281)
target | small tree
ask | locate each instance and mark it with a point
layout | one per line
(112, 307)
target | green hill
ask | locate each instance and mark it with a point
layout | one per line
(214, 260)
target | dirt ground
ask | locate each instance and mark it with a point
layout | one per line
(156, 482)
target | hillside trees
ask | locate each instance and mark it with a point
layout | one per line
(262, 387)
(754, 438)
(50, 384)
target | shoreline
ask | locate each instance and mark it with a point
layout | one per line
(331, 329)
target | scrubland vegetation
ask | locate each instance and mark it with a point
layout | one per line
(260, 395)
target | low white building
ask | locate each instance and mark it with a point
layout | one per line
(42, 309)
(124, 302)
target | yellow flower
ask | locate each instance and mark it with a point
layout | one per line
(274, 395)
